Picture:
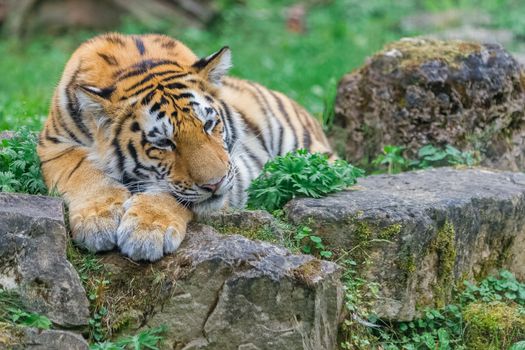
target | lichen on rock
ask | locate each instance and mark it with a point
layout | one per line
(419, 234)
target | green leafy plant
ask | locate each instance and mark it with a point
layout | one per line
(11, 311)
(489, 313)
(20, 165)
(147, 339)
(29, 319)
(299, 174)
(431, 156)
(96, 328)
(310, 243)
(393, 158)
(428, 156)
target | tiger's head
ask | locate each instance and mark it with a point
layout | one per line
(163, 129)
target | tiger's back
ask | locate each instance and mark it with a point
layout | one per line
(140, 121)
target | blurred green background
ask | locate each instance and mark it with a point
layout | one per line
(299, 48)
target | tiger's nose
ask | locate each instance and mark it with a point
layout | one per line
(213, 186)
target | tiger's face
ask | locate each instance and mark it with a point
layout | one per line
(168, 133)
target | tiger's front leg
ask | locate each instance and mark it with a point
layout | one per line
(94, 200)
(153, 224)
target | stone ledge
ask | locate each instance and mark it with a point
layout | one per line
(425, 231)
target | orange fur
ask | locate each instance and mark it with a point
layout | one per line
(141, 134)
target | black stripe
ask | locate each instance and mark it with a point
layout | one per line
(138, 92)
(76, 168)
(306, 134)
(183, 95)
(269, 113)
(265, 113)
(118, 149)
(73, 107)
(173, 76)
(228, 122)
(62, 124)
(173, 86)
(133, 151)
(147, 99)
(64, 152)
(143, 66)
(111, 60)
(281, 140)
(253, 157)
(140, 45)
(286, 117)
(155, 107)
(45, 133)
(149, 77)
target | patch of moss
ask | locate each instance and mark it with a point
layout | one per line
(407, 263)
(263, 233)
(10, 335)
(418, 51)
(493, 326)
(129, 291)
(307, 272)
(390, 232)
(495, 261)
(444, 245)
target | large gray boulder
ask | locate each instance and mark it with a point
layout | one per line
(229, 292)
(424, 232)
(421, 91)
(33, 259)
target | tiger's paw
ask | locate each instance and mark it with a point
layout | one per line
(94, 223)
(151, 227)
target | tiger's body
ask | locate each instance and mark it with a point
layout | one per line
(142, 135)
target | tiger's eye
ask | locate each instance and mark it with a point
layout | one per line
(164, 144)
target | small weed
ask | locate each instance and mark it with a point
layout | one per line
(147, 339)
(431, 156)
(299, 174)
(310, 243)
(11, 311)
(428, 156)
(20, 165)
(327, 118)
(29, 319)
(392, 157)
(96, 328)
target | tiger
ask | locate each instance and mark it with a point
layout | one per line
(142, 136)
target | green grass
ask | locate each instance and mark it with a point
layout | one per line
(340, 35)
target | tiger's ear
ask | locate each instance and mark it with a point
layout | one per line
(94, 101)
(215, 66)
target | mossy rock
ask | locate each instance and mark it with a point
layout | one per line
(421, 91)
(419, 234)
(493, 326)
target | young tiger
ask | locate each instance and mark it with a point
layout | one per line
(142, 134)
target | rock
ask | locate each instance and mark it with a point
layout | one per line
(35, 339)
(424, 232)
(229, 292)
(421, 91)
(33, 259)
